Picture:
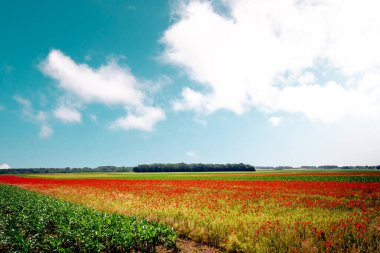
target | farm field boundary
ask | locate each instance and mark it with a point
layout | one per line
(293, 175)
(248, 216)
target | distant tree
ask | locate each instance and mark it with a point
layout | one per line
(308, 167)
(328, 167)
(182, 167)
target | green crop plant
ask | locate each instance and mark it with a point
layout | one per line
(30, 222)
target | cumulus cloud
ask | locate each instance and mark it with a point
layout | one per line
(38, 117)
(111, 84)
(319, 58)
(192, 100)
(4, 166)
(144, 120)
(275, 121)
(67, 115)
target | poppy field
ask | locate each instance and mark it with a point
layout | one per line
(236, 212)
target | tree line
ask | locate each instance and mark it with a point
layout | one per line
(174, 167)
(66, 170)
(195, 167)
(156, 167)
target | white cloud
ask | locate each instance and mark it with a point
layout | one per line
(4, 166)
(38, 117)
(157, 84)
(111, 84)
(315, 57)
(275, 121)
(27, 105)
(200, 121)
(191, 153)
(46, 131)
(144, 120)
(192, 100)
(67, 115)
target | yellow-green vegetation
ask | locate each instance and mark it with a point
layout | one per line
(269, 175)
(30, 222)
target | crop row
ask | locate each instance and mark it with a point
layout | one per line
(341, 176)
(30, 222)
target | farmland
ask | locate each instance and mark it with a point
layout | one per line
(294, 211)
(265, 175)
(32, 222)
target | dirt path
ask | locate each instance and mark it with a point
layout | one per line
(187, 246)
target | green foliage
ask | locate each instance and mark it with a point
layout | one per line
(183, 167)
(67, 170)
(30, 222)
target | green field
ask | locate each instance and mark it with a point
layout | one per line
(31, 222)
(262, 175)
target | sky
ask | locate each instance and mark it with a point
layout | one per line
(265, 82)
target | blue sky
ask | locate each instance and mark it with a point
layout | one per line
(90, 83)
